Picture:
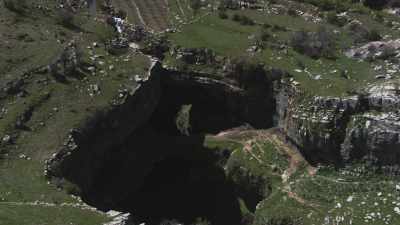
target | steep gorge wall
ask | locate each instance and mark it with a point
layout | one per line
(364, 127)
(86, 147)
(110, 156)
(253, 105)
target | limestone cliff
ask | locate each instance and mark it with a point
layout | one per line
(340, 130)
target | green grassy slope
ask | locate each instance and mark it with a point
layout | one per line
(322, 76)
(31, 41)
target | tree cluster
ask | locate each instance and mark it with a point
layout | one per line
(315, 44)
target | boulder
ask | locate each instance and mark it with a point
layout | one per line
(376, 50)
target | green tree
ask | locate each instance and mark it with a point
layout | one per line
(195, 5)
(17, 6)
(376, 4)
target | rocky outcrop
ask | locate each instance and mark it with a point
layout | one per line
(373, 137)
(376, 50)
(341, 130)
(199, 56)
(119, 218)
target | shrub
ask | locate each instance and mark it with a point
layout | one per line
(292, 12)
(104, 32)
(334, 19)
(374, 35)
(265, 35)
(361, 33)
(229, 4)
(376, 4)
(156, 46)
(394, 3)
(379, 17)
(314, 44)
(195, 5)
(222, 14)
(277, 27)
(243, 19)
(182, 120)
(328, 5)
(72, 189)
(17, 6)
(201, 221)
(66, 17)
(68, 62)
(284, 221)
(236, 17)
(246, 21)
(247, 71)
(122, 14)
(266, 26)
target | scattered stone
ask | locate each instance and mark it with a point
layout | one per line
(91, 69)
(138, 79)
(375, 50)
(94, 89)
(118, 46)
(6, 139)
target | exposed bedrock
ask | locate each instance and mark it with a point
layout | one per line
(364, 127)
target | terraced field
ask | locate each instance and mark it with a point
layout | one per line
(151, 13)
(154, 13)
(158, 15)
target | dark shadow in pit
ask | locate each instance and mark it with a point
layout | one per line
(156, 176)
(184, 190)
(162, 173)
(213, 109)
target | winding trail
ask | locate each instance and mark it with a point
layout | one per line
(275, 137)
(138, 13)
(178, 2)
(296, 160)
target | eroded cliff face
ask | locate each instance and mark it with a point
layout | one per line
(374, 135)
(364, 127)
(134, 153)
(86, 147)
(253, 105)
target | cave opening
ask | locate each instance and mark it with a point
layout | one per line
(164, 170)
(186, 190)
(159, 177)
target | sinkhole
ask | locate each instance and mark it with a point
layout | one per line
(164, 171)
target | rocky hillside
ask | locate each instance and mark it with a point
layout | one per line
(253, 112)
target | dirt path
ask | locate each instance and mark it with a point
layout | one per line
(139, 13)
(178, 2)
(296, 160)
(248, 147)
